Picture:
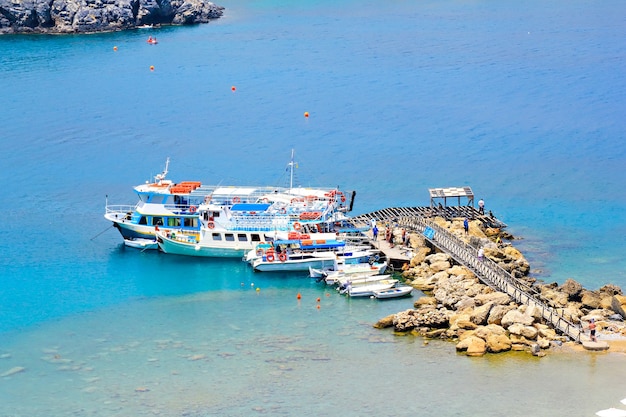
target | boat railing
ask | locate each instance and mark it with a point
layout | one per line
(119, 208)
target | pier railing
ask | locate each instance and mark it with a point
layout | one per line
(487, 271)
(490, 273)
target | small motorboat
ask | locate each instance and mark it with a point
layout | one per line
(139, 243)
(395, 292)
(152, 41)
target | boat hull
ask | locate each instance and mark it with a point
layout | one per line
(292, 265)
(175, 247)
(143, 244)
(395, 292)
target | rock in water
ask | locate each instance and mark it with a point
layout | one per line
(88, 16)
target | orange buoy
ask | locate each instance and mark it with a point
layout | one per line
(318, 299)
(233, 88)
(115, 48)
(327, 294)
(306, 114)
(151, 67)
(318, 306)
(298, 296)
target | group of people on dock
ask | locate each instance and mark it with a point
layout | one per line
(389, 234)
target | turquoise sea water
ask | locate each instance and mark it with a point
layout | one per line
(523, 102)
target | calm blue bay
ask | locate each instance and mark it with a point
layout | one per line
(522, 102)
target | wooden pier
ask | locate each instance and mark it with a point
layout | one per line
(417, 220)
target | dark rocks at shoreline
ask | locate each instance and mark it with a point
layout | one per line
(91, 16)
(480, 320)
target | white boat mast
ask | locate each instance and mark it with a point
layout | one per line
(160, 177)
(291, 166)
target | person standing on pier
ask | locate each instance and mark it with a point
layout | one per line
(592, 330)
(481, 206)
(466, 225)
(375, 232)
(481, 254)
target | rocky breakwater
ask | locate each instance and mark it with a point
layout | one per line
(89, 16)
(459, 308)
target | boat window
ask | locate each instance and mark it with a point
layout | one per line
(156, 199)
(229, 237)
(242, 237)
(173, 222)
(255, 237)
(217, 236)
(215, 214)
(157, 221)
(190, 222)
(142, 220)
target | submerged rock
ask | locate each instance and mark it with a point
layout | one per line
(89, 16)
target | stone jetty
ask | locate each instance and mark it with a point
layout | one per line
(478, 319)
(90, 16)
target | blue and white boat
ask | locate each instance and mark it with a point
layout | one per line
(297, 252)
(162, 203)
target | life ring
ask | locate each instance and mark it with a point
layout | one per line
(282, 257)
(270, 258)
(210, 225)
(297, 226)
(192, 209)
(343, 198)
(236, 199)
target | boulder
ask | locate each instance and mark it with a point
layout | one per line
(497, 312)
(515, 316)
(384, 322)
(529, 332)
(496, 297)
(590, 299)
(480, 314)
(419, 255)
(618, 304)
(498, 343)
(472, 346)
(572, 289)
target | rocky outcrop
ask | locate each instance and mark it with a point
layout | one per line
(458, 307)
(88, 16)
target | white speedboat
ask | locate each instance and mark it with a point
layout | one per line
(352, 270)
(395, 292)
(368, 290)
(143, 244)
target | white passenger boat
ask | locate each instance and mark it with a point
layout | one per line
(201, 220)
(395, 292)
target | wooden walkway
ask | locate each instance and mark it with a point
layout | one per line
(415, 219)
